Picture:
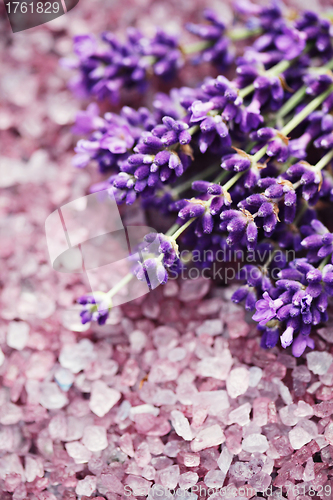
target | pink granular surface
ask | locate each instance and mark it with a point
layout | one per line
(174, 392)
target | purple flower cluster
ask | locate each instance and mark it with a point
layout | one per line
(239, 160)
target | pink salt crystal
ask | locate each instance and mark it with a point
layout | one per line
(161, 427)
(155, 444)
(10, 414)
(18, 334)
(58, 427)
(260, 411)
(64, 378)
(214, 401)
(148, 472)
(260, 481)
(327, 378)
(79, 453)
(299, 437)
(12, 481)
(76, 357)
(171, 449)
(138, 485)
(211, 327)
(284, 391)
(171, 289)
(288, 416)
(87, 486)
(126, 444)
(199, 415)
(143, 409)
(158, 493)
(193, 289)
(309, 473)
(11, 463)
(324, 409)
(164, 397)
(210, 436)
(234, 434)
(191, 459)
(188, 479)
(237, 382)
(186, 393)
(177, 354)
(142, 455)
(51, 397)
(303, 410)
(94, 438)
(102, 398)
(255, 374)
(168, 477)
(163, 371)
(39, 365)
(161, 462)
(301, 373)
(319, 362)
(111, 483)
(329, 433)
(165, 337)
(237, 328)
(130, 373)
(214, 479)
(255, 443)
(137, 340)
(181, 425)
(33, 468)
(215, 367)
(240, 415)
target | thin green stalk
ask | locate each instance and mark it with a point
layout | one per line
(232, 181)
(120, 285)
(182, 228)
(324, 161)
(201, 176)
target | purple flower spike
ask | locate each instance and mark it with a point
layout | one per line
(266, 309)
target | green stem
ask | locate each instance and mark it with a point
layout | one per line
(182, 228)
(294, 122)
(324, 161)
(233, 34)
(232, 181)
(120, 285)
(324, 262)
(186, 185)
(172, 229)
(275, 71)
(312, 106)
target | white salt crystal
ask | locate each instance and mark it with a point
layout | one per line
(136, 410)
(237, 382)
(77, 357)
(216, 367)
(211, 436)
(2, 357)
(51, 397)
(18, 334)
(33, 468)
(241, 415)
(225, 460)
(303, 410)
(287, 415)
(214, 479)
(210, 327)
(79, 453)
(64, 378)
(319, 362)
(94, 438)
(181, 425)
(298, 437)
(284, 391)
(138, 340)
(158, 493)
(10, 414)
(255, 443)
(102, 398)
(86, 486)
(214, 401)
(255, 375)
